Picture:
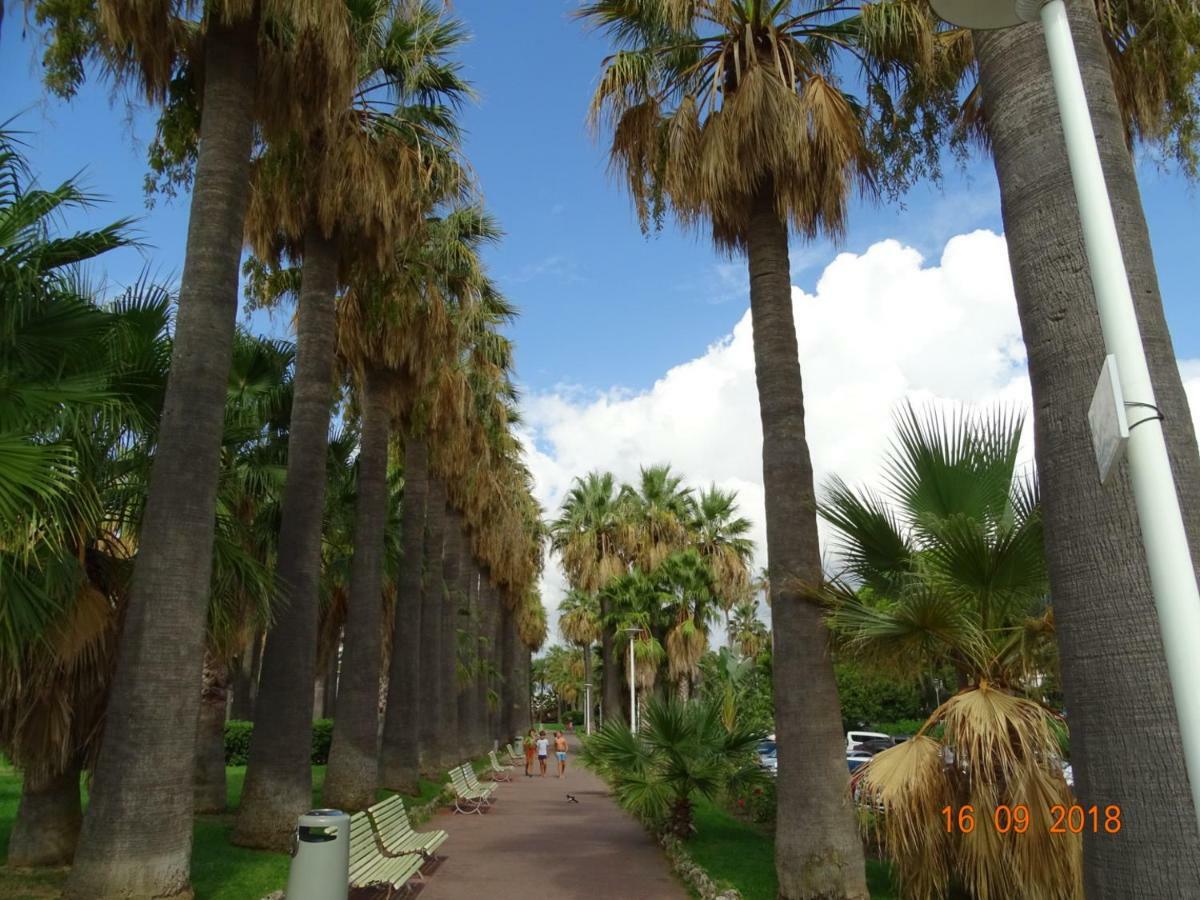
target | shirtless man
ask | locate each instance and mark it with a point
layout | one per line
(560, 750)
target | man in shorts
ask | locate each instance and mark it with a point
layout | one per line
(560, 750)
(543, 748)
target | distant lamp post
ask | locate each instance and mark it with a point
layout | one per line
(587, 709)
(1124, 386)
(632, 684)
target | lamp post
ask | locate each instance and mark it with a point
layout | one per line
(1125, 380)
(587, 709)
(632, 684)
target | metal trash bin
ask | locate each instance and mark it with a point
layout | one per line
(320, 856)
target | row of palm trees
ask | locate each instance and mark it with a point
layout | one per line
(325, 136)
(760, 119)
(652, 564)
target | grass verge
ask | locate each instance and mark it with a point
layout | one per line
(220, 871)
(741, 855)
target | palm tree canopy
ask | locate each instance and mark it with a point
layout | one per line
(945, 564)
(712, 101)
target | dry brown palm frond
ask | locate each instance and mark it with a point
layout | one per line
(909, 785)
(998, 750)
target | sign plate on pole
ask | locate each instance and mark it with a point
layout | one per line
(1107, 420)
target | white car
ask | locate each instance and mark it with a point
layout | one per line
(855, 738)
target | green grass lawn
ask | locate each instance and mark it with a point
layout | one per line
(220, 871)
(742, 855)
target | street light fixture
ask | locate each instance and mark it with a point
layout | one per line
(632, 684)
(1125, 379)
(587, 709)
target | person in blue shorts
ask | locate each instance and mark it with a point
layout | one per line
(560, 750)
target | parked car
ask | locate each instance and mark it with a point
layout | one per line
(856, 738)
(765, 749)
(769, 761)
(855, 758)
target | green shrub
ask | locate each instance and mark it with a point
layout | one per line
(322, 737)
(237, 741)
(573, 717)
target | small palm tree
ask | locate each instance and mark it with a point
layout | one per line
(579, 622)
(944, 566)
(682, 750)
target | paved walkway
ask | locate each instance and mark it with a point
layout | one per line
(535, 843)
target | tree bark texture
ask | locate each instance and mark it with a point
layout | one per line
(466, 690)
(48, 820)
(209, 780)
(818, 853)
(398, 757)
(136, 839)
(353, 773)
(612, 694)
(431, 706)
(448, 662)
(507, 662)
(279, 773)
(245, 680)
(1118, 697)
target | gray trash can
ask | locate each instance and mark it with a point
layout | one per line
(320, 856)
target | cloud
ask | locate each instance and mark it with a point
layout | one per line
(876, 328)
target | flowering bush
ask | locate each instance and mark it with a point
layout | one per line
(756, 804)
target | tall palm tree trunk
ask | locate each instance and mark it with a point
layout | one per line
(431, 707)
(466, 689)
(487, 645)
(245, 680)
(611, 696)
(817, 848)
(1114, 674)
(279, 773)
(353, 772)
(398, 756)
(209, 779)
(508, 726)
(48, 819)
(450, 742)
(143, 848)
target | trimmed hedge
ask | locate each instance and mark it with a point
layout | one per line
(237, 741)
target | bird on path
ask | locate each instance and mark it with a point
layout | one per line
(571, 798)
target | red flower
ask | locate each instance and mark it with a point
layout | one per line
(741, 802)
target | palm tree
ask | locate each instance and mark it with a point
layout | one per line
(579, 622)
(682, 751)
(586, 534)
(657, 515)
(1113, 668)
(719, 534)
(154, 701)
(746, 630)
(944, 566)
(730, 113)
(343, 194)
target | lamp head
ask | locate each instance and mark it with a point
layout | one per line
(985, 15)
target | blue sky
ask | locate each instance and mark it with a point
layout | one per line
(602, 306)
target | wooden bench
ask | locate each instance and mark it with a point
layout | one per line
(369, 864)
(396, 834)
(468, 798)
(499, 772)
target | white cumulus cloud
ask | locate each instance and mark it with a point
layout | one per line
(877, 328)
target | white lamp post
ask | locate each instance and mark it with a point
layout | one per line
(587, 709)
(1125, 380)
(632, 684)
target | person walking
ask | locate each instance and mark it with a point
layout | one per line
(560, 751)
(543, 750)
(530, 744)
